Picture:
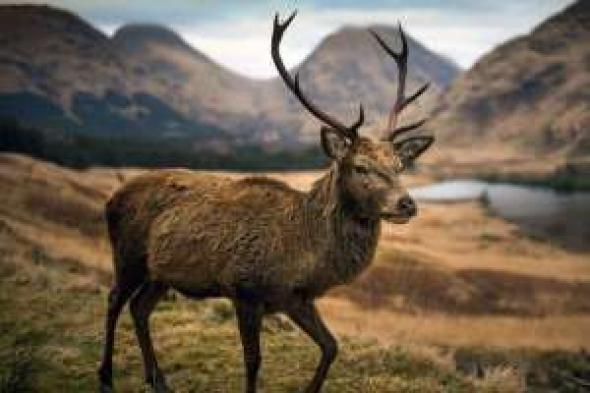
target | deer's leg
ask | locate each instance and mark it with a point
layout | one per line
(118, 296)
(249, 316)
(306, 316)
(142, 305)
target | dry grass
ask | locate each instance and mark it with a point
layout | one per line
(418, 287)
(51, 328)
(568, 332)
(453, 278)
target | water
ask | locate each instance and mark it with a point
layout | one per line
(544, 212)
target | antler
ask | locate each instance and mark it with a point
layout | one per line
(293, 84)
(401, 100)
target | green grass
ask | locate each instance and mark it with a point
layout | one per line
(50, 341)
(51, 335)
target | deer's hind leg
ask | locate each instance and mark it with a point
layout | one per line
(124, 287)
(249, 316)
(142, 305)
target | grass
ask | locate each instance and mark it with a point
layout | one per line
(19, 367)
(51, 333)
(457, 301)
(51, 337)
(402, 282)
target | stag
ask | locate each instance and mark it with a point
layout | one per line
(267, 247)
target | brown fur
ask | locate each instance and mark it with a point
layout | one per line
(209, 236)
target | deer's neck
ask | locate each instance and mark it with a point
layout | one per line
(346, 238)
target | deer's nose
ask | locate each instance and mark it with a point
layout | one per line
(407, 206)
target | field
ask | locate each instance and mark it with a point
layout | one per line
(457, 300)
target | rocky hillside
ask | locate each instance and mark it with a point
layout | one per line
(59, 73)
(528, 96)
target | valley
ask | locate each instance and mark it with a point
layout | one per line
(456, 283)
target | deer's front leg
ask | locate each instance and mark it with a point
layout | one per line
(306, 316)
(249, 316)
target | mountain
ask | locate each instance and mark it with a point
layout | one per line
(194, 84)
(349, 67)
(58, 73)
(61, 75)
(527, 97)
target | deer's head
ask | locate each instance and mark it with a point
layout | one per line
(368, 170)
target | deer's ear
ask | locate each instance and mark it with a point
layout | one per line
(335, 145)
(409, 149)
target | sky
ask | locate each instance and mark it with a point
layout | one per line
(236, 34)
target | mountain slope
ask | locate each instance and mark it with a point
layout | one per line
(59, 73)
(529, 95)
(193, 83)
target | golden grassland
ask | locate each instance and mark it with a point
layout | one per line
(457, 300)
(51, 325)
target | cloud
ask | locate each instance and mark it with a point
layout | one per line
(237, 34)
(243, 44)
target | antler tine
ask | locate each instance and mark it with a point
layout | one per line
(279, 28)
(293, 83)
(401, 100)
(402, 63)
(360, 120)
(398, 131)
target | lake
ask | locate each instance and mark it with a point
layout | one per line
(563, 217)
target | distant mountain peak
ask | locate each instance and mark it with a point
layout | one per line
(27, 10)
(354, 44)
(29, 21)
(135, 36)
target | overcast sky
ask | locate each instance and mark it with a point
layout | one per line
(237, 33)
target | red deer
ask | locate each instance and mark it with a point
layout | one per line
(256, 241)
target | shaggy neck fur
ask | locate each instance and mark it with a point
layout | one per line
(346, 236)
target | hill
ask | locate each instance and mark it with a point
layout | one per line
(528, 97)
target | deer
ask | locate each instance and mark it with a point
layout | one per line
(265, 246)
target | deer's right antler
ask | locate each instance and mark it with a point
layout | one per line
(401, 100)
(349, 132)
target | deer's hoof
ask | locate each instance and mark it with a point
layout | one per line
(162, 388)
(105, 388)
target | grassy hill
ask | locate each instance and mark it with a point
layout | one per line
(441, 310)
